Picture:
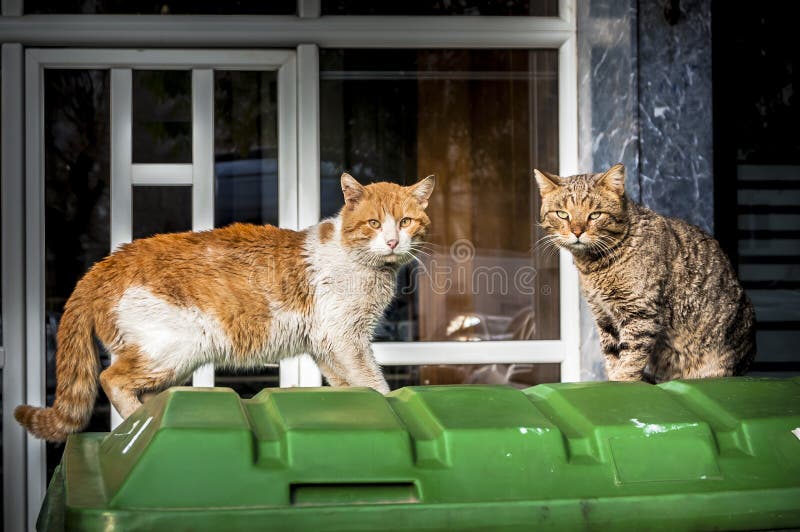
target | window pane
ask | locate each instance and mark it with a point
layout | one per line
(163, 7)
(538, 8)
(246, 171)
(246, 147)
(517, 375)
(77, 188)
(162, 116)
(159, 209)
(480, 121)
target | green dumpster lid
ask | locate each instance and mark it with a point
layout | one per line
(611, 454)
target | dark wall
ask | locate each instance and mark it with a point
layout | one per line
(757, 168)
(645, 99)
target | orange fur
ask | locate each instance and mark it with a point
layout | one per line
(325, 232)
(246, 294)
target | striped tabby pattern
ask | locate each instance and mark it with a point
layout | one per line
(665, 298)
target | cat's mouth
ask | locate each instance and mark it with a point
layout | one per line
(396, 258)
(577, 246)
(574, 244)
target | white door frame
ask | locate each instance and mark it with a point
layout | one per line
(124, 174)
(22, 498)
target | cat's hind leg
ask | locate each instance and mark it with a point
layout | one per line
(709, 366)
(129, 376)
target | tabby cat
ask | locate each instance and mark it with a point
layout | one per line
(664, 296)
(239, 297)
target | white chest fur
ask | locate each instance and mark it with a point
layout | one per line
(350, 297)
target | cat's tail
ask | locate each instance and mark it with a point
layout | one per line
(76, 377)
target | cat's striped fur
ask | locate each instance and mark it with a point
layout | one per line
(238, 297)
(665, 298)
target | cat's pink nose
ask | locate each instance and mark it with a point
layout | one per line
(392, 243)
(577, 232)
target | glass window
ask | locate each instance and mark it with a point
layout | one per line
(517, 375)
(246, 173)
(163, 7)
(246, 147)
(162, 116)
(537, 8)
(160, 209)
(480, 120)
(77, 203)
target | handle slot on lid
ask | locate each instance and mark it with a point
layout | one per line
(353, 493)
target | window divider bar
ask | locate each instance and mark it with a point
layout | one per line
(510, 351)
(262, 31)
(308, 169)
(35, 364)
(569, 318)
(288, 199)
(308, 156)
(566, 12)
(202, 173)
(287, 145)
(162, 174)
(121, 170)
(307, 8)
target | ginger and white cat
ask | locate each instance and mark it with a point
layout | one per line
(238, 297)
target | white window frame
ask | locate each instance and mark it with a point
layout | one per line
(304, 35)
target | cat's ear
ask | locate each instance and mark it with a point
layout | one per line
(422, 191)
(614, 179)
(351, 189)
(547, 182)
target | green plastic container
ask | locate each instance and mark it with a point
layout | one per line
(710, 454)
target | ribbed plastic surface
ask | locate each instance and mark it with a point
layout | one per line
(711, 454)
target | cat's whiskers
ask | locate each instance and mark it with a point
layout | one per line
(425, 246)
(604, 244)
(424, 268)
(420, 249)
(548, 245)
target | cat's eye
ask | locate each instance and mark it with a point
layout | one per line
(595, 215)
(562, 214)
(374, 224)
(405, 222)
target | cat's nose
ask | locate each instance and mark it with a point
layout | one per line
(577, 232)
(392, 243)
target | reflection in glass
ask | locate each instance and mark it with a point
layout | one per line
(537, 8)
(246, 174)
(480, 120)
(246, 147)
(77, 187)
(162, 116)
(159, 209)
(163, 7)
(516, 375)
